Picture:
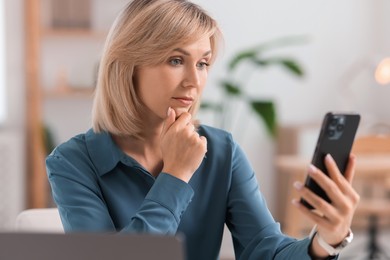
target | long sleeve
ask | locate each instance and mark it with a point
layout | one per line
(77, 192)
(255, 233)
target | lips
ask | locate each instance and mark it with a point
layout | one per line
(184, 101)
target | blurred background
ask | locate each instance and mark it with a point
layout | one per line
(327, 55)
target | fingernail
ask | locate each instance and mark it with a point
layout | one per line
(295, 202)
(312, 169)
(169, 111)
(328, 157)
(298, 185)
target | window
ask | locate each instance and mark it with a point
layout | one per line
(3, 105)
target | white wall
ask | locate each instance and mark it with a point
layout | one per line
(382, 46)
(15, 67)
(2, 65)
(12, 157)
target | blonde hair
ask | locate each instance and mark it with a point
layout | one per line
(143, 35)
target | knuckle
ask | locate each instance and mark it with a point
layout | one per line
(356, 198)
(321, 203)
(348, 207)
(186, 116)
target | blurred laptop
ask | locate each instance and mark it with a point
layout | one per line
(94, 246)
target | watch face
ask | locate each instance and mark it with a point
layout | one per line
(346, 240)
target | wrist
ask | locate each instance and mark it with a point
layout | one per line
(316, 251)
(320, 249)
(177, 174)
(335, 249)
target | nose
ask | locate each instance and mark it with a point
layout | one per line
(192, 77)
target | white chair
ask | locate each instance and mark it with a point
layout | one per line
(45, 220)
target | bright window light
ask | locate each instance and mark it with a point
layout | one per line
(3, 104)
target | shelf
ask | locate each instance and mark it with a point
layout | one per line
(74, 32)
(50, 50)
(70, 92)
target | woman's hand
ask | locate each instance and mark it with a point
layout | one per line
(182, 148)
(333, 219)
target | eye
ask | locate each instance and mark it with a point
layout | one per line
(175, 61)
(203, 65)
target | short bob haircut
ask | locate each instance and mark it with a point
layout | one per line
(143, 35)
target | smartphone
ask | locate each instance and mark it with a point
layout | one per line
(336, 138)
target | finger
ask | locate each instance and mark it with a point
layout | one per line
(328, 185)
(171, 115)
(349, 175)
(350, 171)
(314, 216)
(316, 201)
(333, 169)
(337, 176)
(204, 141)
(191, 127)
(343, 198)
(184, 120)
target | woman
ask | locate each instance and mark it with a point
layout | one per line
(147, 167)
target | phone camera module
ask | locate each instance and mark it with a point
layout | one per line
(336, 127)
(331, 133)
(334, 122)
(340, 127)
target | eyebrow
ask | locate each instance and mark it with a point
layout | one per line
(188, 54)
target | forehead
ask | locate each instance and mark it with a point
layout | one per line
(201, 44)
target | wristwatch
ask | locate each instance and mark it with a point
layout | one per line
(332, 251)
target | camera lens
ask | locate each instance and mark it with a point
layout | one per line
(331, 133)
(340, 127)
(334, 122)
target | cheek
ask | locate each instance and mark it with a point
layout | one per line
(203, 80)
(147, 85)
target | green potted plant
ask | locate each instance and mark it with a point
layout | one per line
(233, 86)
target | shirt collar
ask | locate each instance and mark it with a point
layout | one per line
(104, 153)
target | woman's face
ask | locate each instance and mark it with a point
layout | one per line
(178, 82)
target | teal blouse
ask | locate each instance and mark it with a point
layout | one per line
(98, 188)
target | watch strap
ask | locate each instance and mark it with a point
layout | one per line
(331, 250)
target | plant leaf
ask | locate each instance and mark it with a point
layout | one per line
(293, 67)
(262, 62)
(247, 54)
(266, 112)
(252, 53)
(231, 88)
